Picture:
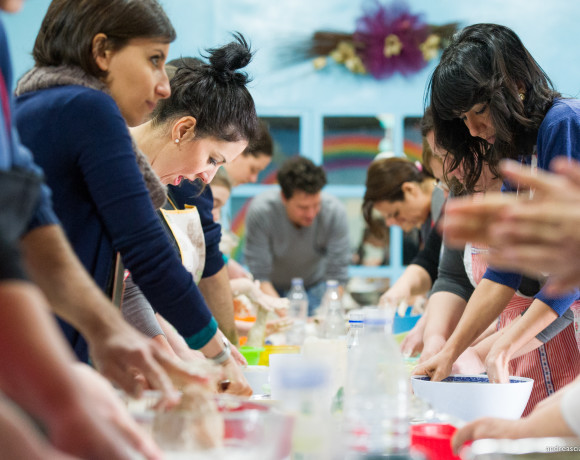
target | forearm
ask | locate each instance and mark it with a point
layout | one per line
(487, 302)
(518, 337)
(20, 439)
(163, 343)
(218, 295)
(268, 288)
(445, 310)
(70, 291)
(491, 330)
(34, 359)
(547, 420)
(415, 280)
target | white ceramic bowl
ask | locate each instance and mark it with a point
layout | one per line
(469, 397)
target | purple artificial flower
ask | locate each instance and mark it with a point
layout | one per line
(387, 39)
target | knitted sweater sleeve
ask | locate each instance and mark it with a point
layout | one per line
(101, 147)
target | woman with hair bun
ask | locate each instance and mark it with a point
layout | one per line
(186, 165)
(99, 66)
(208, 121)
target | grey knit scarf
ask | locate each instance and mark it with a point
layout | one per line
(47, 77)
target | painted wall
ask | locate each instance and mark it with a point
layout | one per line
(548, 29)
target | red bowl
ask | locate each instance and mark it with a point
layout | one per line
(434, 440)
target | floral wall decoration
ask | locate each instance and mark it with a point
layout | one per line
(389, 38)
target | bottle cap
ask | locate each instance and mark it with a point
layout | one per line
(296, 281)
(331, 283)
(356, 316)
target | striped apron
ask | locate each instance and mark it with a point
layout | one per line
(552, 365)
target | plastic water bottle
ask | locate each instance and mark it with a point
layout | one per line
(333, 326)
(376, 394)
(355, 329)
(303, 392)
(297, 311)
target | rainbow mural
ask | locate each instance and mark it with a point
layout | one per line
(412, 150)
(238, 226)
(412, 139)
(346, 156)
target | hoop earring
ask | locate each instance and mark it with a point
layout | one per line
(522, 96)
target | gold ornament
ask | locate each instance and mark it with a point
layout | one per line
(430, 47)
(393, 46)
(319, 62)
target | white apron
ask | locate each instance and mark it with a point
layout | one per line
(187, 231)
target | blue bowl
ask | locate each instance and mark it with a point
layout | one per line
(404, 323)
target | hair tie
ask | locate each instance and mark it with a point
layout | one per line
(419, 166)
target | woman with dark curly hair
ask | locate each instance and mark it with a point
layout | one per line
(491, 100)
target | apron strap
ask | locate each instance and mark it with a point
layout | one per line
(118, 281)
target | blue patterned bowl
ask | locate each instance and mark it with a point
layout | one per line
(469, 397)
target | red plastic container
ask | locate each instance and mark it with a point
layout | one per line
(434, 440)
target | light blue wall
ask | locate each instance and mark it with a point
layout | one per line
(548, 28)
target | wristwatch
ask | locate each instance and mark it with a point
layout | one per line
(223, 355)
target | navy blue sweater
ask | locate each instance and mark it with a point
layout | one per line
(559, 135)
(80, 139)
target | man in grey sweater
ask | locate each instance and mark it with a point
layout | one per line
(297, 231)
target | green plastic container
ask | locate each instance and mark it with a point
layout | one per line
(252, 354)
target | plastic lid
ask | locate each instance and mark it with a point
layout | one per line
(375, 316)
(356, 316)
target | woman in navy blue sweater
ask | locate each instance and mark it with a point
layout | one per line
(92, 78)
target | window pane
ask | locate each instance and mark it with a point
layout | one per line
(285, 132)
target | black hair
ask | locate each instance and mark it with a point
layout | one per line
(172, 66)
(488, 64)
(427, 122)
(300, 173)
(214, 93)
(69, 26)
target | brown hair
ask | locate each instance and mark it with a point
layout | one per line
(221, 179)
(69, 26)
(385, 179)
(262, 144)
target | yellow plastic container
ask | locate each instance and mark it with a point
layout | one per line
(274, 349)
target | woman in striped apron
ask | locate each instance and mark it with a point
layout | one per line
(551, 365)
